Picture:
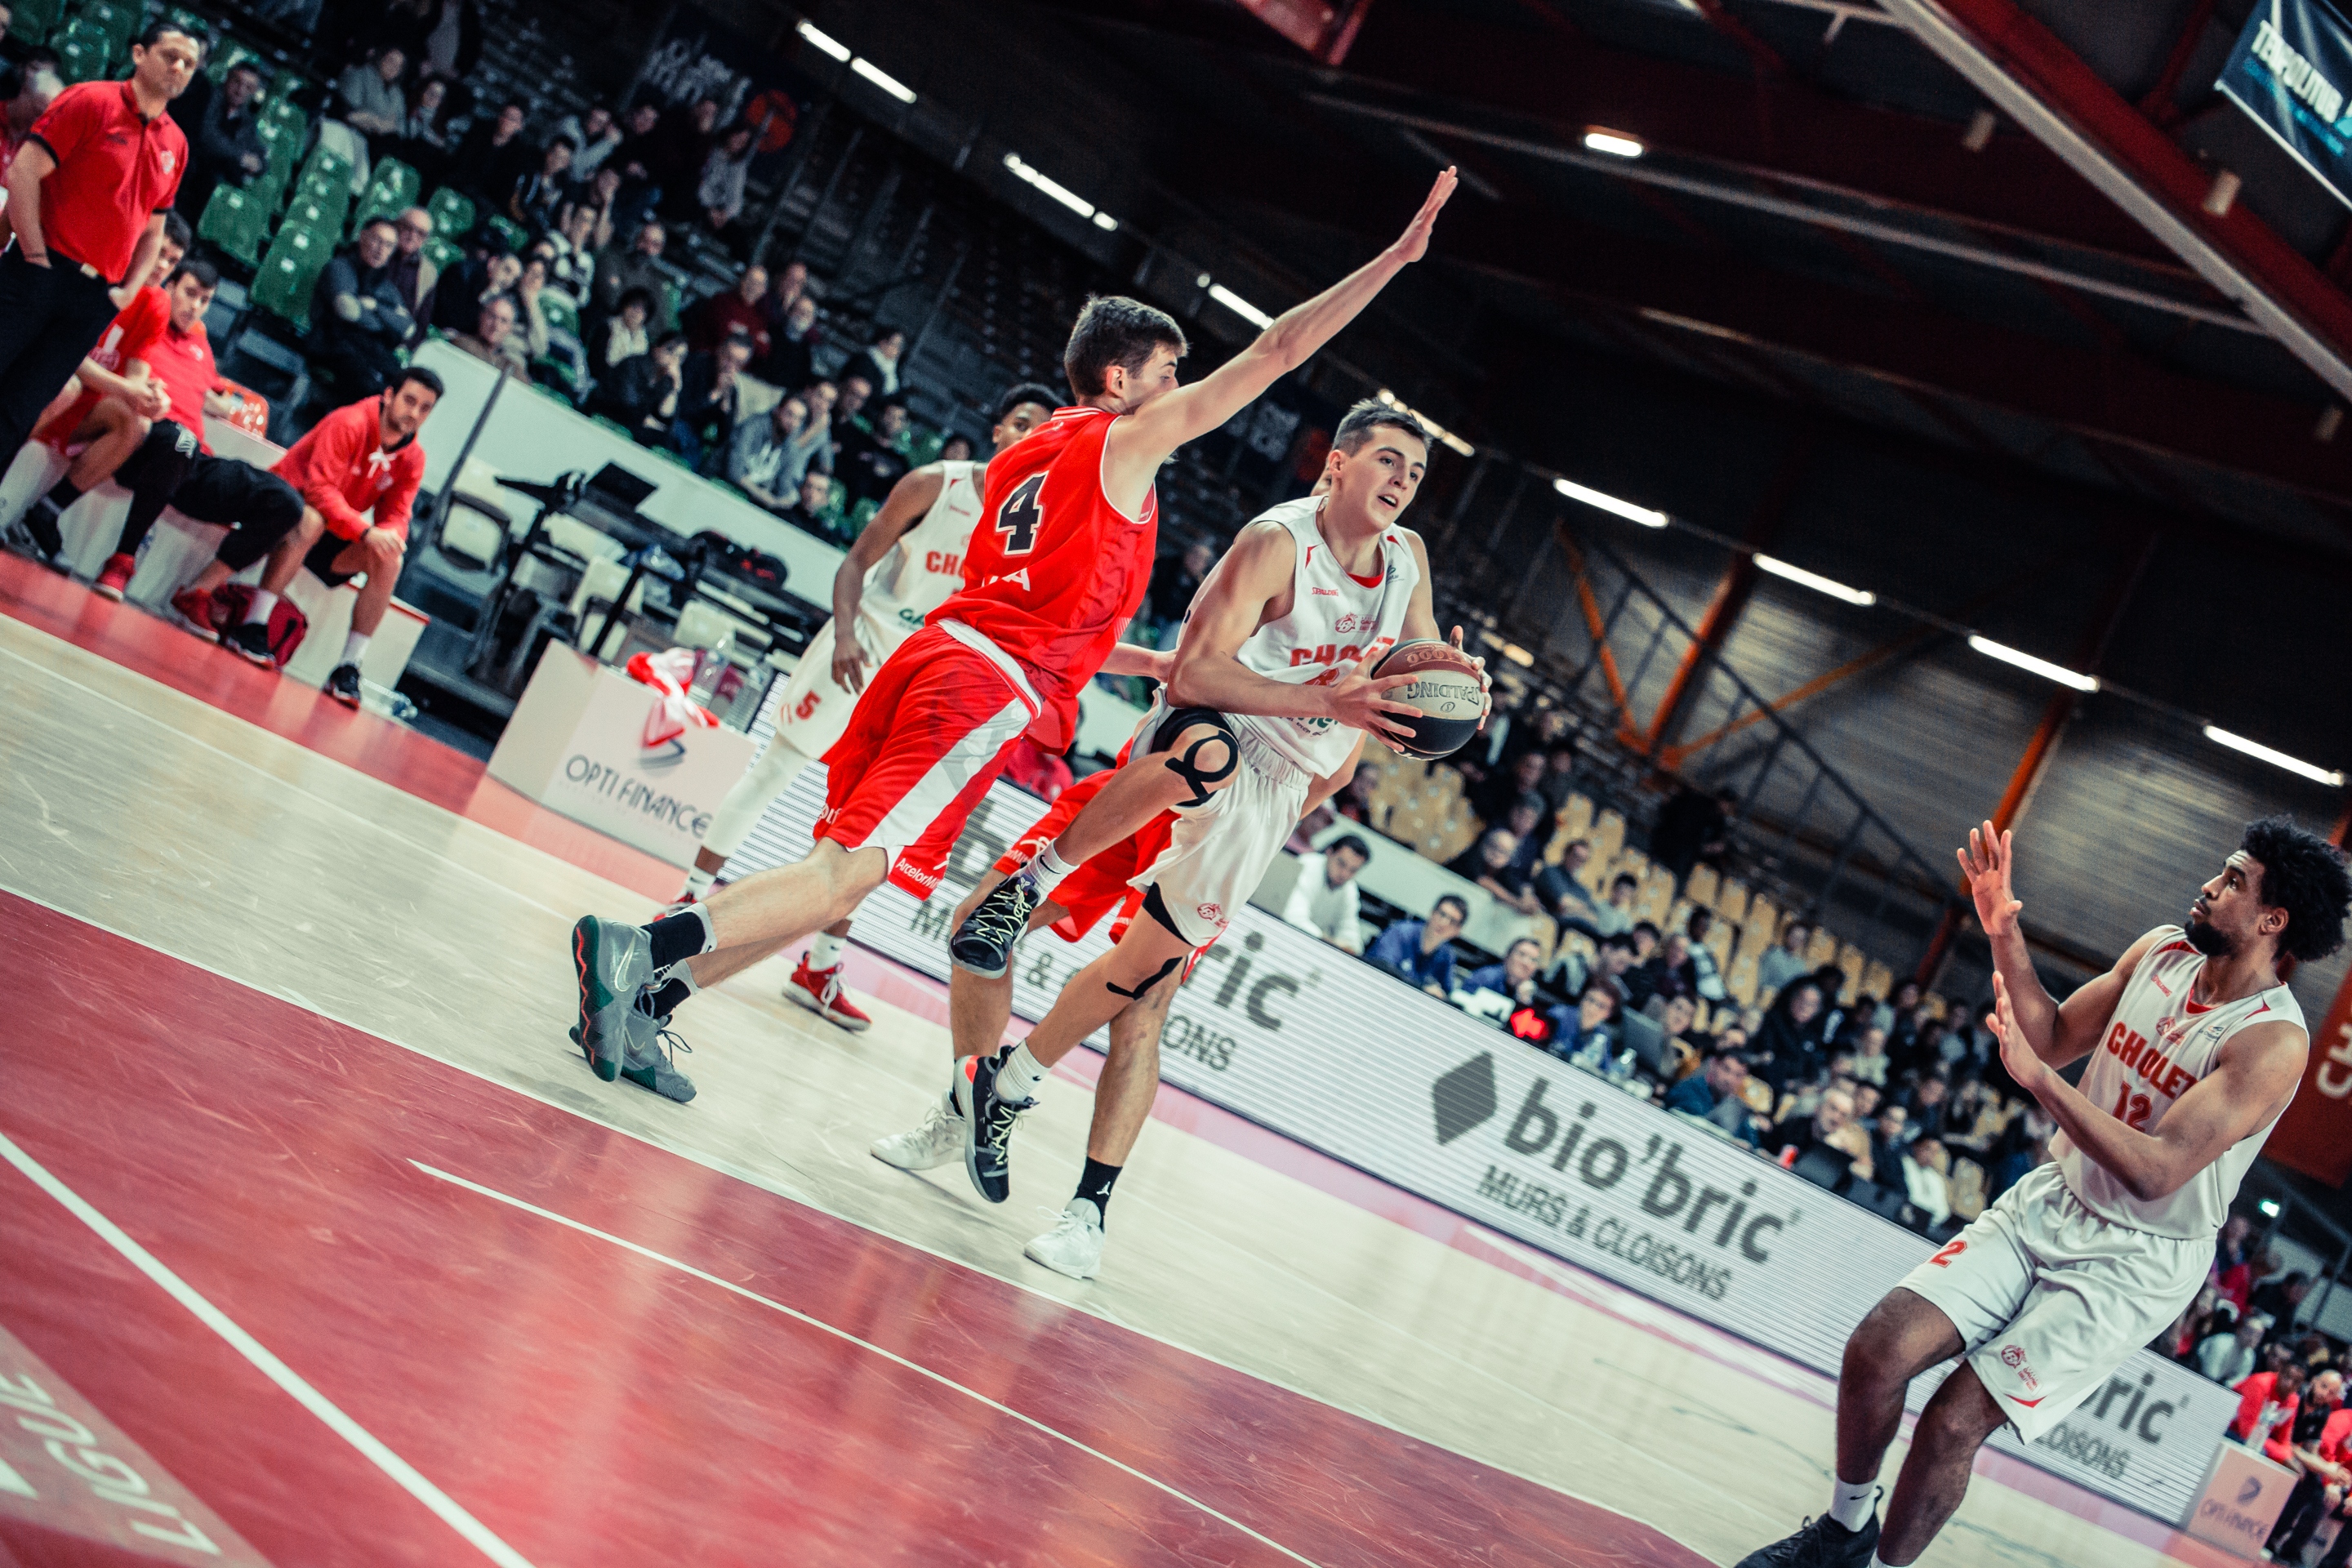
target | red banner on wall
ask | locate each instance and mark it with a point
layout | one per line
(2314, 1136)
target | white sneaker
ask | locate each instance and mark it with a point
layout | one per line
(1075, 1245)
(939, 1141)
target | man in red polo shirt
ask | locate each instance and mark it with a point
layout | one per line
(357, 472)
(87, 197)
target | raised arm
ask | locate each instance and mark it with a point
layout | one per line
(1231, 604)
(909, 498)
(2257, 1070)
(1137, 445)
(2058, 1033)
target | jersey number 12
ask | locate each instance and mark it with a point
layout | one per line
(1020, 518)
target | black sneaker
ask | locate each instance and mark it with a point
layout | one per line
(343, 685)
(1822, 1543)
(250, 641)
(40, 520)
(987, 1126)
(983, 943)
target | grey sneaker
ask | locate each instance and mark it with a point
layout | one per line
(936, 1142)
(983, 943)
(615, 961)
(643, 1061)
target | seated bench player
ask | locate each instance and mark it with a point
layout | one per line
(356, 475)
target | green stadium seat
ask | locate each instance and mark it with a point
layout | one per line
(923, 446)
(518, 237)
(325, 165)
(444, 253)
(861, 517)
(114, 20)
(290, 272)
(392, 190)
(560, 313)
(34, 21)
(81, 54)
(330, 192)
(453, 215)
(319, 218)
(237, 223)
(229, 57)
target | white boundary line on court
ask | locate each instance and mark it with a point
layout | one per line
(892, 1356)
(278, 1372)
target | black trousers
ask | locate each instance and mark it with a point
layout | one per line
(258, 507)
(2305, 1507)
(49, 317)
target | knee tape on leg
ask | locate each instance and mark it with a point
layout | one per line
(1157, 976)
(1200, 776)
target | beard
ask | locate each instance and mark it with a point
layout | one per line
(2209, 940)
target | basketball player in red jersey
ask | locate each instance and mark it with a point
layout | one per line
(2196, 1047)
(1057, 566)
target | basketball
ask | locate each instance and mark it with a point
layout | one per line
(1446, 691)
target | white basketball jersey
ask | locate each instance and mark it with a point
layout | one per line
(924, 567)
(1335, 620)
(2160, 1042)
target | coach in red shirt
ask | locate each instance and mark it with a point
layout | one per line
(87, 197)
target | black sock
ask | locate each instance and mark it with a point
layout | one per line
(1095, 1181)
(63, 494)
(663, 999)
(678, 937)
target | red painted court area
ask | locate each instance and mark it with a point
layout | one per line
(598, 1352)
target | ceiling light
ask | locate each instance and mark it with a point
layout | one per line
(881, 78)
(1517, 655)
(2295, 765)
(1624, 509)
(1615, 143)
(1815, 581)
(1240, 307)
(2270, 1208)
(824, 43)
(2041, 667)
(1062, 194)
(1104, 221)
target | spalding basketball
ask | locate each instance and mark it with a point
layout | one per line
(1444, 691)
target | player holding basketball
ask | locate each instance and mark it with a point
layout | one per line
(1271, 674)
(1058, 564)
(906, 563)
(2196, 1047)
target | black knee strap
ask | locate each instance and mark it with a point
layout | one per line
(1157, 908)
(1187, 766)
(1160, 975)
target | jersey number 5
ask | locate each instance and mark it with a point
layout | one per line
(1020, 518)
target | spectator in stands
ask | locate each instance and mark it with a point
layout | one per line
(635, 158)
(1888, 1126)
(757, 454)
(1354, 800)
(227, 148)
(1714, 1094)
(628, 333)
(539, 190)
(594, 136)
(1486, 861)
(814, 511)
(1613, 961)
(87, 197)
(1174, 580)
(869, 462)
(677, 149)
(1927, 1103)
(2267, 1406)
(496, 338)
(639, 267)
(1926, 1183)
(1571, 901)
(641, 395)
(790, 287)
(2230, 1357)
(958, 449)
(737, 310)
(1507, 786)
(813, 447)
(1906, 998)
(369, 99)
(599, 196)
(1514, 976)
(1707, 977)
(1785, 962)
(358, 319)
(1416, 951)
(1560, 774)
(1691, 826)
(1788, 1047)
(357, 471)
(37, 87)
(1667, 974)
(1324, 900)
(793, 343)
(414, 275)
(492, 156)
(1830, 1126)
(422, 143)
(710, 392)
(490, 268)
(572, 265)
(879, 360)
(1870, 1063)
(719, 190)
(1585, 1033)
(2319, 1447)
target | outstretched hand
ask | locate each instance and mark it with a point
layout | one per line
(2016, 1054)
(1986, 864)
(1413, 244)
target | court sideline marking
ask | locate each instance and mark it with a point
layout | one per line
(844, 1335)
(369, 1445)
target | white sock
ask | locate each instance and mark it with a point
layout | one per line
(824, 950)
(698, 882)
(1048, 869)
(1018, 1075)
(355, 644)
(1852, 1502)
(264, 601)
(1878, 1562)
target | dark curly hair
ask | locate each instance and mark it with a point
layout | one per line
(2304, 875)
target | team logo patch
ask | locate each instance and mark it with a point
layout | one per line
(1347, 622)
(167, 160)
(1212, 913)
(2015, 1359)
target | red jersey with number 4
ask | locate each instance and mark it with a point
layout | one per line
(1054, 570)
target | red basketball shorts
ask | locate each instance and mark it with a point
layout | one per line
(931, 732)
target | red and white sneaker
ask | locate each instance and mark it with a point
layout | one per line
(114, 576)
(196, 607)
(819, 990)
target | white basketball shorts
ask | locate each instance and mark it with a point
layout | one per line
(1218, 852)
(2050, 1299)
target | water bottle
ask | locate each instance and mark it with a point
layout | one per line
(715, 662)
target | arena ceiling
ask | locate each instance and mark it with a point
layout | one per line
(1828, 213)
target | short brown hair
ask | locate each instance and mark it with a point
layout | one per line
(1114, 329)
